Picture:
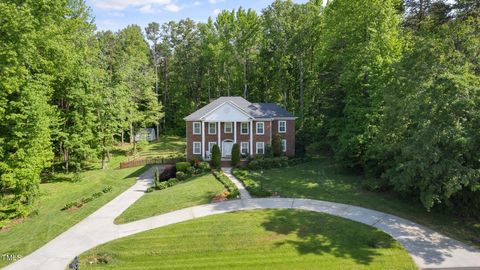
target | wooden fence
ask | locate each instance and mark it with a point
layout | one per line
(149, 161)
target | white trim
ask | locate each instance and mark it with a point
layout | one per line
(263, 128)
(251, 137)
(263, 147)
(200, 128)
(231, 103)
(284, 145)
(225, 127)
(241, 129)
(193, 148)
(235, 132)
(209, 123)
(282, 121)
(246, 148)
(203, 140)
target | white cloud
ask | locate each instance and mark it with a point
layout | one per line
(147, 9)
(123, 4)
(215, 1)
(197, 3)
(173, 8)
(216, 11)
(117, 14)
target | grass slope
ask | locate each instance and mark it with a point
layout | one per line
(198, 190)
(260, 239)
(51, 221)
(324, 180)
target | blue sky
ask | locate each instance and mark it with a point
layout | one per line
(116, 14)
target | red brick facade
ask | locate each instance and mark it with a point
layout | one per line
(270, 129)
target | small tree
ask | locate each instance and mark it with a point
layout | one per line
(277, 145)
(235, 154)
(215, 163)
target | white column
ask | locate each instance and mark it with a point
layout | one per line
(218, 137)
(235, 132)
(203, 139)
(251, 137)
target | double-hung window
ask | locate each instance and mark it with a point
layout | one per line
(197, 128)
(228, 127)
(284, 145)
(212, 128)
(197, 148)
(244, 128)
(244, 148)
(282, 126)
(260, 128)
(260, 148)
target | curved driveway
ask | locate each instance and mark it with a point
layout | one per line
(429, 249)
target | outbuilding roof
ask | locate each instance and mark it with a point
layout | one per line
(255, 110)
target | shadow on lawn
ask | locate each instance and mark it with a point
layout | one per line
(319, 233)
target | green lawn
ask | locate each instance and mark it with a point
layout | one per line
(260, 239)
(324, 180)
(165, 147)
(50, 221)
(198, 190)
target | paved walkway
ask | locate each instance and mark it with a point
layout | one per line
(429, 250)
(244, 195)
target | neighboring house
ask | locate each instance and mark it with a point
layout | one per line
(229, 120)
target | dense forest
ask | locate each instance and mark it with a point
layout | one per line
(389, 88)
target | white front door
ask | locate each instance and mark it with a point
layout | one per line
(227, 148)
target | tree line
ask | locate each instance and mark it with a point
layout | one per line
(389, 87)
(67, 94)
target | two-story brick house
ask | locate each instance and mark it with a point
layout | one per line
(229, 120)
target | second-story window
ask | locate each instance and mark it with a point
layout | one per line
(212, 128)
(228, 127)
(260, 128)
(282, 126)
(244, 128)
(197, 127)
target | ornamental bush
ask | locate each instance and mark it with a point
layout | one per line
(277, 145)
(168, 172)
(182, 166)
(235, 154)
(216, 157)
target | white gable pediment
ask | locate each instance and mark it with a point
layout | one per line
(226, 112)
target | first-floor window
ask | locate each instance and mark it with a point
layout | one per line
(197, 148)
(260, 148)
(244, 148)
(284, 145)
(210, 146)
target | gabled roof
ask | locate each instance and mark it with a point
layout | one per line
(255, 110)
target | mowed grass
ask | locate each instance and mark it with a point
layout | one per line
(166, 146)
(50, 221)
(260, 239)
(323, 179)
(195, 191)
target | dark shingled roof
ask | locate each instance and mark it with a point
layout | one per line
(255, 110)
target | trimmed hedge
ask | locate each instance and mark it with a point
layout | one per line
(222, 178)
(258, 163)
(251, 185)
(182, 166)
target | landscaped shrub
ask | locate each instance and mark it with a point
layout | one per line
(107, 189)
(162, 185)
(277, 145)
(172, 182)
(150, 189)
(227, 183)
(277, 162)
(268, 151)
(203, 166)
(235, 154)
(216, 157)
(168, 172)
(182, 166)
(251, 185)
(181, 176)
